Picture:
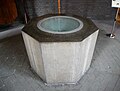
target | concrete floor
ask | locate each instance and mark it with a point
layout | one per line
(104, 74)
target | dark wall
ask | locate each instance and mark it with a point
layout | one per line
(95, 9)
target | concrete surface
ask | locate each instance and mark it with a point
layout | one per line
(60, 62)
(104, 74)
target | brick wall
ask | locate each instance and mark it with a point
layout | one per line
(95, 9)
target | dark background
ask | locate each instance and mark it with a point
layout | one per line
(94, 9)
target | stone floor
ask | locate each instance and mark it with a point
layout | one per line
(104, 74)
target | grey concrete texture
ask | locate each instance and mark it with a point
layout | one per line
(60, 58)
(103, 75)
(95, 9)
(60, 62)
